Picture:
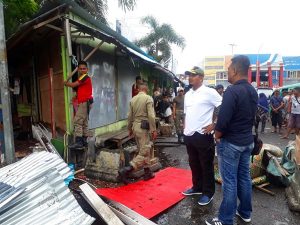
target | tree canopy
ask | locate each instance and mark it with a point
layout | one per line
(17, 12)
(158, 41)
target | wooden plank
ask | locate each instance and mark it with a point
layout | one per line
(121, 136)
(100, 206)
(264, 190)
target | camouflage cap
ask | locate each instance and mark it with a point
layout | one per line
(195, 71)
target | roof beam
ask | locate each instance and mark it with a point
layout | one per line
(46, 22)
(54, 27)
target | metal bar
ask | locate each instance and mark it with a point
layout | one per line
(5, 95)
(85, 59)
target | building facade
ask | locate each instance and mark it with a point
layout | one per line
(266, 70)
(212, 66)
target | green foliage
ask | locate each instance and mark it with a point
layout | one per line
(17, 12)
(158, 41)
(98, 8)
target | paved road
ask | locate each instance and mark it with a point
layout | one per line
(267, 210)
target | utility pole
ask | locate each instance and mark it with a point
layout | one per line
(5, 95)
(232, 46)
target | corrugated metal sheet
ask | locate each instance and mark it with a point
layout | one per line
(33, 192)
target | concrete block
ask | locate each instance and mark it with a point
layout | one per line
(106, 164)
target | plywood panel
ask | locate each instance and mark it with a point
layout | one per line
(58, 99)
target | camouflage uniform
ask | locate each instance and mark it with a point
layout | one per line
(179, 113)
(141, 108)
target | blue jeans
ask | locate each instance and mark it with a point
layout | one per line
(234, 166)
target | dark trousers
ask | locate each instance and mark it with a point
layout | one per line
(276, 118)
(201, 151)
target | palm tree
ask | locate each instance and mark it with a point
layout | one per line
(158, 41)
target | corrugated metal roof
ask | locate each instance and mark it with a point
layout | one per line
(33, 192)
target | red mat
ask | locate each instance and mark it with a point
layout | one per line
(151, 197)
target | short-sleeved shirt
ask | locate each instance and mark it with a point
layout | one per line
(85, 89)
(295, 105)
(179, 100)
(141, 108)
(199, 107)
(237, 112)
(276, 101)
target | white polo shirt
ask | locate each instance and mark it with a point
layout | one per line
(199, 106)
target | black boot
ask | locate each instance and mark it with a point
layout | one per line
(124, 172)
(148, 174)
(84, 141)
(78, 143)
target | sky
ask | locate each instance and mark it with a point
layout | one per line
(210, 26)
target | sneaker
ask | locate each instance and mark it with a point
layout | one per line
(191, 191)
(247, 220)
(204, 200)
(214, 221)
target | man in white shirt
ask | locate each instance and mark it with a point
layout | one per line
(199, 105)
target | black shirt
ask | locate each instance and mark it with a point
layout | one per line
(236, 116)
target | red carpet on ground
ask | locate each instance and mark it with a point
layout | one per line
(151, 197)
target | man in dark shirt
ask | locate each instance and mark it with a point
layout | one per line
(277, 104)
(233, 134)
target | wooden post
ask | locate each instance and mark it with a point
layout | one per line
(52, 112)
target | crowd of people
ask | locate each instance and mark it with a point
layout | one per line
(283, 109)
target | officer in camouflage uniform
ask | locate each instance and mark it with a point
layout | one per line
(141, 124)
(178, 114)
